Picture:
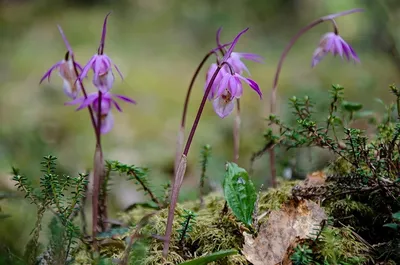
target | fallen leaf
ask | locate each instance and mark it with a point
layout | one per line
(294, 221)
(316, 178)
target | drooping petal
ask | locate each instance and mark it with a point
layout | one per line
(318, 55)
(217, 79)
(119, 72)
(88, 101)
(252, 84)
(117, 106)
(48, 73)
(124, 98)
(87, 67)
(76, 101)
(251, 57)
(71, 89)
(335, 44)
(353, 54)
(223, 107)
(338, 46)
(237, 64)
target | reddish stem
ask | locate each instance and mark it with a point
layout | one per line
(182, 166)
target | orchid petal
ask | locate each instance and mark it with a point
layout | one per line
(107, 123)
(251, 57)
(252, 84)
(75, 101)
(222, 107)
(103, 34)
(119, 72)
(65, 40)
(89, 100)
(117, 106)
(234, 42)
(48, 73)
(87, 67)
(126, 99)
(222, 86)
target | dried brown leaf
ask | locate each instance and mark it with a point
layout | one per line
(294, 221)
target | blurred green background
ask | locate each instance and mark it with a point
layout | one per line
(157, 45)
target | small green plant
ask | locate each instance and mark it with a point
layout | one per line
(61, 195)
(362, 189)
(189, 218)
(205, 157)
(302, 255)
(139, 175)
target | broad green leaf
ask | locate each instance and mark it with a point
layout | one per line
(239, 192)
(396, 216)
(392, 226)
(210, 258)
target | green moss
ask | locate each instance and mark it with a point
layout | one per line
(341, 246)
(213, 231)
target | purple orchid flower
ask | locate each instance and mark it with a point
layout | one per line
(107, 101)
(101, 65)
(227, 85)
(229, 89)
(333, 43)
(66, 70)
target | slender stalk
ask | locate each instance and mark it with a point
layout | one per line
(279, 68)
(180, 172)
(98, 175)
(236, 133)
(98, 158)
(181, 133)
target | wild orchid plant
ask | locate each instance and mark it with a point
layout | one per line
(225, 90)
(223, 86)
(99, 104)
(331, 42)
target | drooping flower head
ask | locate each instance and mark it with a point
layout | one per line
(66, 70)
(332, 43)
(227, 86)
(101, 65)
(107, 102)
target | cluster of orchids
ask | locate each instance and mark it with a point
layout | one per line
(100, 105)
(223, 87)
(100, 102)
